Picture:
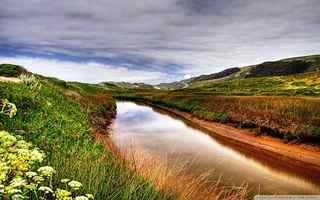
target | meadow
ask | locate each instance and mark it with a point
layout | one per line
(60, 126)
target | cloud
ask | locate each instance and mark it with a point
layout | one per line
(91, 72)
(175, 37)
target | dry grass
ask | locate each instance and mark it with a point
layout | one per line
(174, 181)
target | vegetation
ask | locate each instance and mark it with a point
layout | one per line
(60, 126)
(307, 84)
(9, 70)
(285, 67)
(291, 118)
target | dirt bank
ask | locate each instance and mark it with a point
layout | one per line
(297, 158)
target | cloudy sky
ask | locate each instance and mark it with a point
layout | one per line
(153, 40)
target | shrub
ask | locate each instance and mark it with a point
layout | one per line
(306, 131)
(9, 70)
(30, 81)
(213, 116)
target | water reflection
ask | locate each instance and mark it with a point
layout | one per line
(171, 139)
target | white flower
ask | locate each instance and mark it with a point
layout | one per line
(75, 185)
(14, 191)
(90, 196)
(38, 179)
(81, 198)
(18, 182)
(45, 189)
(66, 180)
(46, 171)
(17, 197)
(36, 155)
(31, 174)
(1, 189)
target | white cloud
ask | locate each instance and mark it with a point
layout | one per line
(91, 72)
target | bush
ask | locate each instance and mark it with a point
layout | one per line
(308, 132)
(9, 70)
(213, 116)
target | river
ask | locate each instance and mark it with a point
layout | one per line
(171, 139)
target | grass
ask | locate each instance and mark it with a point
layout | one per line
(60, 126)
(307, 84)
(291, 118)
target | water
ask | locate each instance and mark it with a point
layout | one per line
(166, 137)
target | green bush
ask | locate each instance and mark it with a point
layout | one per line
(212, 116)
(9, 70)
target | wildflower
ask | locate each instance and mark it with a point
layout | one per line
(90, 196)
(81, 198)
(66, 180)
(31, 174)
(18, 182)
(46, 171)
(22, 144)
(11, 190)
(63, 194)
(17, 197)
(75, 185)
(1, 189)
(13, 110)
(45, 189)
(38, 179)
(36, 155)
(7, 140)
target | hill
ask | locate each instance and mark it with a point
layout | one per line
(284, 67)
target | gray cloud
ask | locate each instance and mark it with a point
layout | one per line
(180, 37)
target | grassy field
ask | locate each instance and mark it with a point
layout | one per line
(70, 122)
(56, 120)
(307, 84)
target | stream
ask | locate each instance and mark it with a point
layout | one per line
(140, 127)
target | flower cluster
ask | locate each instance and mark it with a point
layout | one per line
(18, 181)
(30, 81)
(7, 108)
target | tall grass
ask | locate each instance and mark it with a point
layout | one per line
(174, 180)
(60, 127)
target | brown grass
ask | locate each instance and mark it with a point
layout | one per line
(176, 182)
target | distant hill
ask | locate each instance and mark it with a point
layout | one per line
(284, 67)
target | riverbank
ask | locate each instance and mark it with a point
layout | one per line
(303, 159)
(60, 120)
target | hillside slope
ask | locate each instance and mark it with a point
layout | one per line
(284, 67)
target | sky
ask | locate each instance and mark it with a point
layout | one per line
(153, 41)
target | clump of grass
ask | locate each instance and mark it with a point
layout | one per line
(212, 116)
(308, 132)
